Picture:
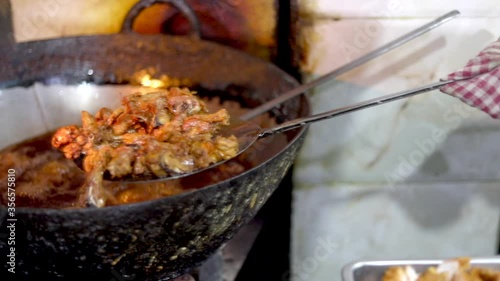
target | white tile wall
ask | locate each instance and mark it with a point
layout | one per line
(418, 178)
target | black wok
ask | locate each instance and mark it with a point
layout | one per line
(158, 239)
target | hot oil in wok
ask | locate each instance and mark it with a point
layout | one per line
(46, 179)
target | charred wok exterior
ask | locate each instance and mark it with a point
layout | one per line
(160, 239)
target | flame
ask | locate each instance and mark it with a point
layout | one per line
(146, 78)
(147, 81)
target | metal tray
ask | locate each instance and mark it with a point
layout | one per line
(374, 270)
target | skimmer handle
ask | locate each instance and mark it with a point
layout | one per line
(296, 123)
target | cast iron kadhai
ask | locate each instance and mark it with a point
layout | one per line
(153, 240)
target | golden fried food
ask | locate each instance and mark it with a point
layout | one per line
(157, 134)
(452, 270)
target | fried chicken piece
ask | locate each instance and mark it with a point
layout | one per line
(206, 123)
(226, 147)
(121, 162)
(155, 134)
(432, 274)
(400, 273)
(69, 140)
(484, 274)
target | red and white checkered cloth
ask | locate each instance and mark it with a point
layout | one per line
(482, 91)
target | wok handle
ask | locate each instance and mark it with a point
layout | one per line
(181, 5)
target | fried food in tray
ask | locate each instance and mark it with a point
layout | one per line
(151, 135)
(450, 270)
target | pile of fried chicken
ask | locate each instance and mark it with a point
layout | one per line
(156, 134)
(452, 270)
